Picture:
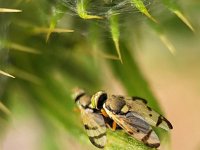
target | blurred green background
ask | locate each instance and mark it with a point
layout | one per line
(51, 48)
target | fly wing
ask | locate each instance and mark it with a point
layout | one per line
(136, 126)
(138, 105)
(95, 127)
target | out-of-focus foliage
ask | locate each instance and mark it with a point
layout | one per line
(51, 46)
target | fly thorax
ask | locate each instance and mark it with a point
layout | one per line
(85, 101)
(116, 104)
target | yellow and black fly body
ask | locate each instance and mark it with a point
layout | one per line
(133, 115)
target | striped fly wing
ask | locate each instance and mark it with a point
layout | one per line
(95, 127)
(139, 105)
(136, 126)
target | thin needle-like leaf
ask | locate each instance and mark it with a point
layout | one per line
(114, 27)
(6, 74)
(184, 19)
(159, 30)
(26, 76)
(4, 109)
(56, 15)
(8, 10)
(174, 7)
(167, 43)
(82, 12)
(19, 47)
(23, 48)
(107, 56)
(55, 30)
(50, 30)
(141, 7)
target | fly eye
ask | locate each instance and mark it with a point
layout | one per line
(102, 98)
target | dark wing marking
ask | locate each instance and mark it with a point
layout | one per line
(95, 127)
(152, 117)
(146, 139)
(136, 126)
(139, 98)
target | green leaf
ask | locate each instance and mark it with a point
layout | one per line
(141, 7)
(120, 140)
(8, 10)
(58, 12)
(6, 74)
(175, 8)
(82, 10)
(114, 27)
(160, 32)
(4, 109)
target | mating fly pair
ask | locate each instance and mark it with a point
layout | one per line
(129, 113)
